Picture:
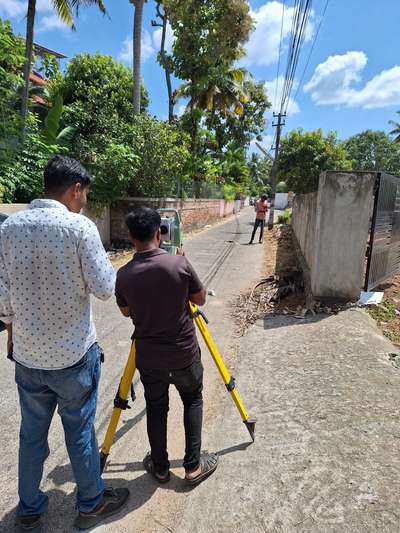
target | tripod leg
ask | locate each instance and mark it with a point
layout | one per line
(227, 378)
(120, 403)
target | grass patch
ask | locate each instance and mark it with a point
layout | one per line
(387, 319)
(285, 217)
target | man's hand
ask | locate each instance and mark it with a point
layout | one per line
(179, 251)
(199, 298)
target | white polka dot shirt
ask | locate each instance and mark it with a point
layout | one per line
(51, 260)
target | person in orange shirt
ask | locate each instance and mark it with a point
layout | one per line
(261, 208)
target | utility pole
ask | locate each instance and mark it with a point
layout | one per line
(274, 171)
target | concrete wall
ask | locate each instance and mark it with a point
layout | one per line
(281, 200)
(101, 219)
(195, 213)
(332, 228)
(303, 222)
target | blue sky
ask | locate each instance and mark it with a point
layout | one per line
(352, 82)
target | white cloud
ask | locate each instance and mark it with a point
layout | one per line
(147, 46)
(126, 53)
(263, 46)
(52, 22)
(150, 46)
(382, 91)
(332, 83)
(44, 6)
(12, 8)
(270, 89)
(18, 8)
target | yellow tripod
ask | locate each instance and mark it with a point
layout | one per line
(121, 399)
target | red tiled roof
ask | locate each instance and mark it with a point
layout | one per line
(36, 79)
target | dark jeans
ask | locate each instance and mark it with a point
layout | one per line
(189, 383)
(258, 223)
(74, 391)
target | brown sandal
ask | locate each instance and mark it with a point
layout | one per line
(208, 465)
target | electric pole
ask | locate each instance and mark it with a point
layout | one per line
(274, 171)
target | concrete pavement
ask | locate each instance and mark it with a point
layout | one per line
(326, 397)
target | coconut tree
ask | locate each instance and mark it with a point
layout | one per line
(137, 50)
(396, 130)
(64, 9)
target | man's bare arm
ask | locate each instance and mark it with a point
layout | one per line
(125, 311)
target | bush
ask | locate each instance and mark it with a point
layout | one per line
(281, 187)
(21, 172)
(285, 217)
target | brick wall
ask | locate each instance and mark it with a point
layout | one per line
(195, 213)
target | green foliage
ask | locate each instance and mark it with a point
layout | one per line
(260, 174)
(208, 36)
(242, 129)
(114, 170)
(383, 312)
(164, 152)
(281, 187)
(285, 217)
(103, 86)
(51, 133)
(12, 59)
(396, 129)
(373, 150)
(229, 192)
(21, 175)
(304, 155)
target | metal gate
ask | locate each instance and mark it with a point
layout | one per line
(384, 245)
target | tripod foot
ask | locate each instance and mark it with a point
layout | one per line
(251, 426)
(103, 460)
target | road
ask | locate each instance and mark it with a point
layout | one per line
(224, 261)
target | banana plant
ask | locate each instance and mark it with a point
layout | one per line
(51, 132)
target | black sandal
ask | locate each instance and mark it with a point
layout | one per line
(208, 464)
(149, 467)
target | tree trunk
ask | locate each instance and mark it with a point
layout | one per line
(30, 21)
(137, 49)
(167, 70)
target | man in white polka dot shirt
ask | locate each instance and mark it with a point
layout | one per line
(51, 261)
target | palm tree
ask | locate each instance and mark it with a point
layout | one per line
(64, 9)
(222, 95)
(396, 130)
(165, 59)
(137, 50)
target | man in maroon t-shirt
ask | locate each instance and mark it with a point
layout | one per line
(153, 289)
(261, 208)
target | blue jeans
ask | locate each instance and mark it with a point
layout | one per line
(74, 391)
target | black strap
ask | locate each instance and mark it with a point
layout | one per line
(231, 385)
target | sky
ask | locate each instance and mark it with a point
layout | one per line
(351, 83)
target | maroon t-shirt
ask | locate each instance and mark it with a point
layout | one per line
(156, 285)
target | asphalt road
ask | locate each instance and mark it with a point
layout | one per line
(221, 256)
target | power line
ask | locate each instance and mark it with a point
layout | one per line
(300, 19)
(279, 56)
(311, 49)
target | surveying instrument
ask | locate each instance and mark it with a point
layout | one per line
(171, 240)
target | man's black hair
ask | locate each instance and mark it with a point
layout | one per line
(264, 197)
(61, 172)
(143, 223)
